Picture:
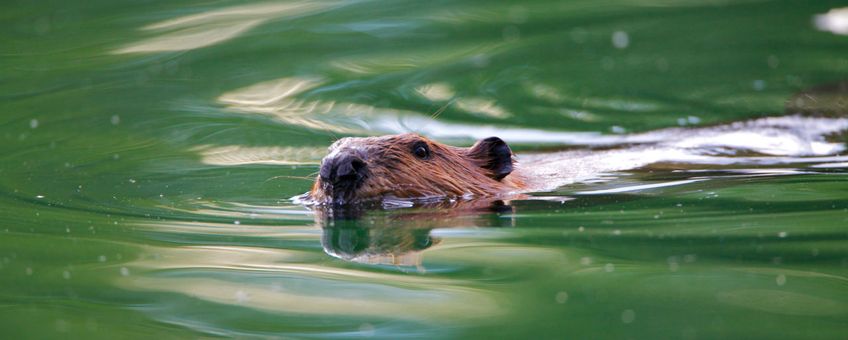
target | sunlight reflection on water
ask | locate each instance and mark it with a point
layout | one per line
(216, 26)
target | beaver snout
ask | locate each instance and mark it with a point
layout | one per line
(341, 174)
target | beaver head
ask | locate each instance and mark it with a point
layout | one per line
(411, 166)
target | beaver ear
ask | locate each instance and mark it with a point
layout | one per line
(494, 155)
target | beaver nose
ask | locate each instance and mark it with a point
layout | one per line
(344, 168)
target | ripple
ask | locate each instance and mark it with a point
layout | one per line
(213, 27)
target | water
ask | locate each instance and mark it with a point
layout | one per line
(150, 150)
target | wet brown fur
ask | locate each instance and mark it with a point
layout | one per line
(395, 172)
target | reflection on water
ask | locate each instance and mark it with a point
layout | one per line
(149, 150)
(835, 20)
(216, 26)
(398, 237)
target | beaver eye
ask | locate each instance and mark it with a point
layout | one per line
(421, 150)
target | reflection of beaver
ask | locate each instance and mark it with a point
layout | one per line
(397, 237)
(411, 166)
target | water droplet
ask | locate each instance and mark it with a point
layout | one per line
(66, 274)
(125, 271)
(101, 258)
(780, 280)
(237, 222)
(620, 39)
(581, 229)
(628, 316)
(616, 232)
(33, 123)
(782, 234)
(115, 120)
(561, 297)
(609, 268)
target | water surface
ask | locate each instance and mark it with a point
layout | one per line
(150, 151)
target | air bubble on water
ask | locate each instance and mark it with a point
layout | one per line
(586, 261)
(101, 258)
(693, 119)
(681, 121)
(620, 39)
(237, 222)
(561, 297)
(689, 258)
(581, 229)
(673, 266)
(617, 129)
(616, 232)
(609, 268)
(780, 280)
(33, 123)
(132, 181)
(814, 252)
(66, 274)
(782, 234)
(68, 230)
(28, 271)
(39, 196)
(759, 85)
(125, 271)
(628, 316)
(241, 296)
(115, 120)
(276, 287)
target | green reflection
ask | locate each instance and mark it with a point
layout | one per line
(145, 194)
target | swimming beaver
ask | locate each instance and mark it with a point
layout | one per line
(411, 166)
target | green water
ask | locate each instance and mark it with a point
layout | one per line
(149, 153)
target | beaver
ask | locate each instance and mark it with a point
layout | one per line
(409, 166)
